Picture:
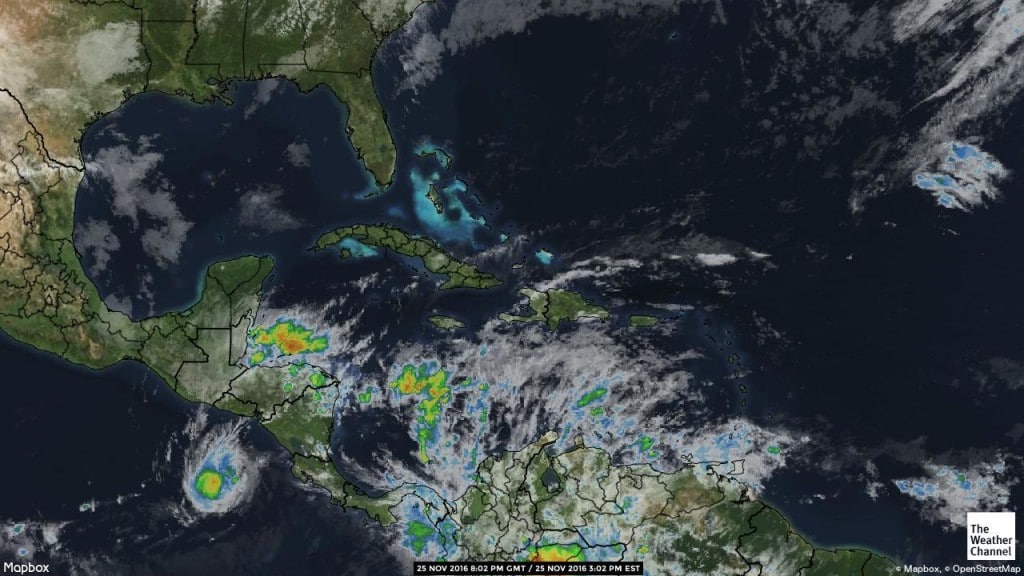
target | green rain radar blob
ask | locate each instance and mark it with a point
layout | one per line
(317, 379)
(209, 483)
(219, 474)
(419, 534)
(646, 443)
(594, 395)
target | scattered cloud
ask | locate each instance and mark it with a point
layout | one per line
(982, 75)
(473, 23)
(140, 194)
(265, 90)
(119, 303)
(538, 380)
(715, 259)
(997, 376)
(297, 153)
(114, 49)
(97, 238)
(595, 269)
(141, 304)
(163, 243)
(385, 14)
(260, 208)
(947, 493)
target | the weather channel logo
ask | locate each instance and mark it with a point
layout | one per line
(991, 536)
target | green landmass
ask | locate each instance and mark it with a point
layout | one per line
(531, 504)
(321, 472)
(105, 52)
(691, 521)
(643, 321)
(556, 306)
(304, 425)
(266, 388)
(446, 322)
(435, 259)
(197, 53)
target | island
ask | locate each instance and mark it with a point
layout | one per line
(435, 259)
(435, 198)
(446, 322)
(643, 321)
(440, 154)
(556, 306)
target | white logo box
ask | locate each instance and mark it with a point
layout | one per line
(991, 536)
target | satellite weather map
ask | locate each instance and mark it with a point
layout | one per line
(501, 287)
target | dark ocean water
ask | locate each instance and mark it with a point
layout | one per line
(890, 315)
(887, 326)
(102, 437)
(213, 155)
(218, 159)
(81, 435)
(891, 310)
